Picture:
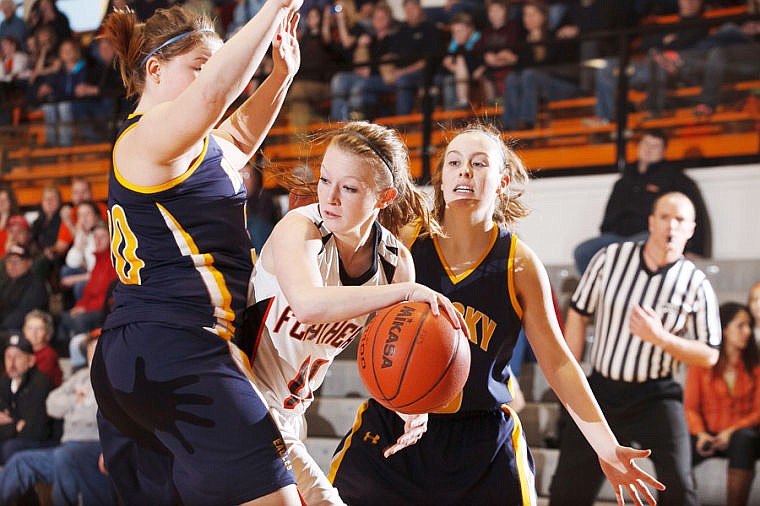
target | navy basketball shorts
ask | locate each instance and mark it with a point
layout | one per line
(474, 458)
(180, 423)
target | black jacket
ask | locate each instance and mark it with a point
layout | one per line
(633, 195)
(28, 404)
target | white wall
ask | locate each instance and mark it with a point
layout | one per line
(567, 210)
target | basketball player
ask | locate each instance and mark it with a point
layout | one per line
(475, 451)
(179, 421)
(323, 269)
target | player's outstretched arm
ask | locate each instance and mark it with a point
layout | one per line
(567, 379)
(168, 130)
(250, 123)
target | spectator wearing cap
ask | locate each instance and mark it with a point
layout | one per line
(21, 290)
(72, 466)
(18, 232)
(24, 423)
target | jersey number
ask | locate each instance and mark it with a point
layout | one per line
(299, 386)
(126, 263)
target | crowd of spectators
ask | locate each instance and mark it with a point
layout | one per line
(55, 271)
(361, 62)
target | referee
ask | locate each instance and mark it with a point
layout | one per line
(654, 309)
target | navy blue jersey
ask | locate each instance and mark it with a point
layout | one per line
(181, 249)
(485, 295)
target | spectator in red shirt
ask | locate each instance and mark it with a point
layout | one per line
(38, 330)
(8, 208)
(722, 403)
(88, 314)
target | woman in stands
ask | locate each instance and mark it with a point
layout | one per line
(723, 403)
(475, 452)
(179, 420)
(8, 207)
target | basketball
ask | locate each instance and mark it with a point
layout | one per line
(412, 361)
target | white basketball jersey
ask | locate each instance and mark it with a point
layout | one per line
(290, 359)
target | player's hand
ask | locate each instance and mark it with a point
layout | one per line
(421, 293)
(626, 476)
(645, 323)
(286, 54)
(414, 427)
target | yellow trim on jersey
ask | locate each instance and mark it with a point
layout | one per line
(161, 187)
(337, 459)
(527, 478)
(457, 278)
(417, 229)
(216, 286)
(511, 278)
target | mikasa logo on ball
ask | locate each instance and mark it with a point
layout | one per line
(402, 318)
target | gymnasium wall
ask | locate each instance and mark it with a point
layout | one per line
(567, 210)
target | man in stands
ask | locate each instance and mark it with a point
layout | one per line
(629, 205)
(21, 291)
(24, 423)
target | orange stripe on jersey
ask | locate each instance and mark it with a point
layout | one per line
(337, 459)
(527, 479)
(216, 286)
(457, 278)
(511, 278)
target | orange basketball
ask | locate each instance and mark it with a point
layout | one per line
(412, 361)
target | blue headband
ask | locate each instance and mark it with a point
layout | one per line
(173, 39)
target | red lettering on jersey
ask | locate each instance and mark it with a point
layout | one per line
(347, 334)
(294, 331)
(284, 317)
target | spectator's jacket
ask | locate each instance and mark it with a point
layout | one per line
(74, 402)
(711, 408)
(64, 82)
(101, 277)
(46, 361)
(28, 404)
(19, 296)
(415, 43)
(632, 197)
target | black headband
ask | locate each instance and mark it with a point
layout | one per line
(372, 146)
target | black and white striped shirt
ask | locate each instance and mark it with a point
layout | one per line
(680, 294)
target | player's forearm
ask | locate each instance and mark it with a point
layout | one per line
(250, 123)
(574, 392)
(336, 303)
(228, 72)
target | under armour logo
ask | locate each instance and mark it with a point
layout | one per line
(372, 438)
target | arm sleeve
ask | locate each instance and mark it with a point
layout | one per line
(585, 297)
(706, 319)
(33, 412)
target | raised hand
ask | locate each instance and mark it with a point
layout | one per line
(626, 476)
(286, 53)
